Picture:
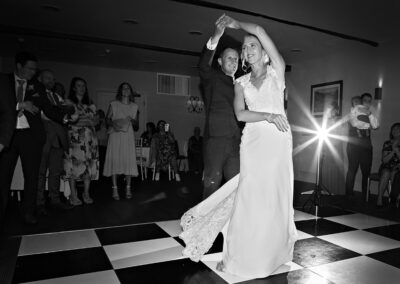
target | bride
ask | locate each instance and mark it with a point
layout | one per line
(254, 209)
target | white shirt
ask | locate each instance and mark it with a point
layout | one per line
(22, 122)
(355, 112)
(211, 46)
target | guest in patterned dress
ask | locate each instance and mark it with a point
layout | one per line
(121, 151)
(82, 160)
(390, 162)
(164, 149)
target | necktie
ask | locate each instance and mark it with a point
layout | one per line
(50, 95)
(20, 90)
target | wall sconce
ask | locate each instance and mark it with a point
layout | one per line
(378, 93)
(195, 104)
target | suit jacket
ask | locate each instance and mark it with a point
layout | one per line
(56, 133)
(218, 94)
(36, 93)
(8, 113)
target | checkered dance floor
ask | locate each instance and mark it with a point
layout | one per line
(338, 247)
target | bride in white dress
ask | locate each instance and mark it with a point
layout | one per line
(254, 210)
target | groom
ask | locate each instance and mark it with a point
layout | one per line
(222, 132)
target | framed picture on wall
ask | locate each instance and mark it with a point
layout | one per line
(326, 96)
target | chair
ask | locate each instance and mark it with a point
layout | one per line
(171, 172)
(376, 177)
(139, 157)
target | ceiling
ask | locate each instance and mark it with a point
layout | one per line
(94, 32)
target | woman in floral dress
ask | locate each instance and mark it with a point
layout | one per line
(82, 160)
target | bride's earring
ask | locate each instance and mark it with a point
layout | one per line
(266, 58)
(244, 65)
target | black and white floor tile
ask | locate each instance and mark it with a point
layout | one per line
(342, 248)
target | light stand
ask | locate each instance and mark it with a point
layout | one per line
(318, 191)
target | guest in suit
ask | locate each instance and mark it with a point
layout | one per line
(29, 99)
(195, 152)
(54, 148)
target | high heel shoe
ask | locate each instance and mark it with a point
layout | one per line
(128, 192)
(115, 193)
(86, 198)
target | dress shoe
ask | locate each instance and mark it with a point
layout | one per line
(61, 206)
(41, 210)
(29, 219)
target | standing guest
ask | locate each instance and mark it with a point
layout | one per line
(359, 147)
(222, 132)
(164, 150)
(53, 151)
(148, 134)
(121, 151)
(82, 161)
(29, 99)
(102, 137)
(390, 166)
(195, 152)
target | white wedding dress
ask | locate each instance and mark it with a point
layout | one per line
(254, 210)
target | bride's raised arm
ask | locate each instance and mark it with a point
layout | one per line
(266, 42)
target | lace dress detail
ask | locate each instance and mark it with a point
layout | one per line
(200, 232)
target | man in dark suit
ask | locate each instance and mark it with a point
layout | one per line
(29, 134)
(222, 132)
(53, 150)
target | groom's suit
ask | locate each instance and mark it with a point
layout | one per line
(222, 132)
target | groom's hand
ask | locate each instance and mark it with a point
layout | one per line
(280, 121)
(220, 25)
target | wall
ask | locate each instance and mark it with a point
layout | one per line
(360, 68)
(103, 82)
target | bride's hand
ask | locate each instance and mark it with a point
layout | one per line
(231, 22)
(279, 120)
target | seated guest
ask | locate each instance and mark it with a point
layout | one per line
(390, 160)
(53, 151)
(148, 134)
(29, 98)
(82, 161)
(195, 152)
(164, 149)
(121, 151)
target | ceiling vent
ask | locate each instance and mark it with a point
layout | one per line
(170, 84)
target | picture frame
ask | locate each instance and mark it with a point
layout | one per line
(326, 96)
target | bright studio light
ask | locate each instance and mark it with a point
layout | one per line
(322, 134)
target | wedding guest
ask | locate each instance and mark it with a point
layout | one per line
(82, 160)
(148, 134)
(51, 166)
(164, 148)
(195, 152)
(102, 137)
(121, 151)
(359, 147)
(390, 166)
